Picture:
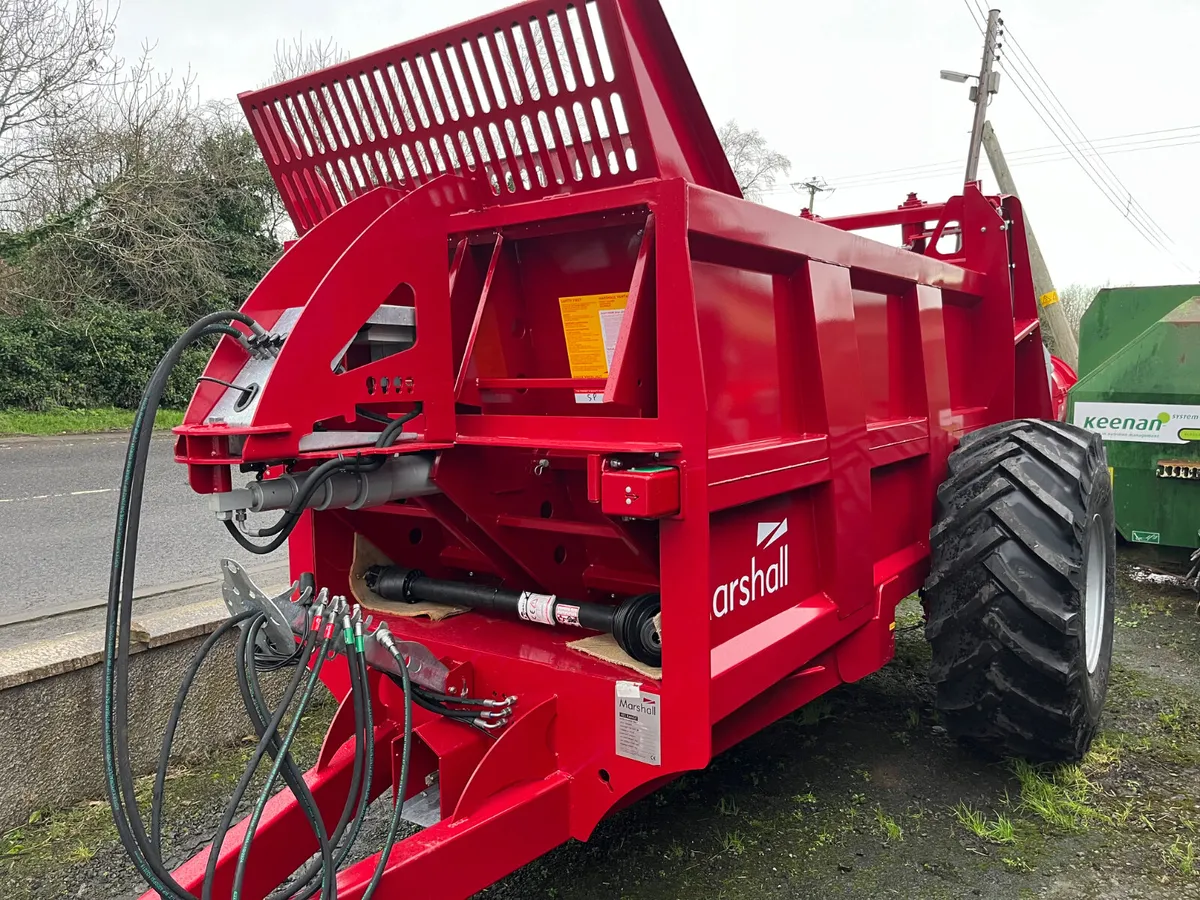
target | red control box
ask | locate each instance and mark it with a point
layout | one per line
(643, 493)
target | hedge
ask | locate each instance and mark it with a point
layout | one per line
(100, 356)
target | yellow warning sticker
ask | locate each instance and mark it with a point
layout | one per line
(1049, 297)
(591, 325)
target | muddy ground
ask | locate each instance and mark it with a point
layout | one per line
(860, 794)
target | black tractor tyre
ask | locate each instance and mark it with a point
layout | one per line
(1019, 598)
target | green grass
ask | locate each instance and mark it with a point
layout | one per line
(1060, 796)
(1181, 856)
(78, 421)
(890, 828)
(997, 831)
(51, 841)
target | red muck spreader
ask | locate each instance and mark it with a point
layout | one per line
(588, 468)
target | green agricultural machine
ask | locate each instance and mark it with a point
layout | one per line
(1139, 389)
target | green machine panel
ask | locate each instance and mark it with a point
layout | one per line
(1139, 388)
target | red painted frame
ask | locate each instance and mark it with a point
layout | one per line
(807, 383)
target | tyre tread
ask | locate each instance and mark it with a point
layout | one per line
(1006, 557)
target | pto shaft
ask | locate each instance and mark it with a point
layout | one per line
(632, 623)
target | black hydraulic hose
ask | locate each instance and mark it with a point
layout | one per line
(128, 561)
(372, 416)
(314, 677)
(256, 708)
(260, 549)
(240, 336)
(433, 706)
(389, 434)
(308, 881)
(368, 751)
(316, 478)
(357, 798)
(143, 852)
(164, 756)
(368, 744)
(119, 785)
(286, 523)
(283, 527)
(260, 751)
(402, 787)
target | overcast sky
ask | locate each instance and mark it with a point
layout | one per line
(850, 88)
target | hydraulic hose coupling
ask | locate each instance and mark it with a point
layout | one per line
(389, 644)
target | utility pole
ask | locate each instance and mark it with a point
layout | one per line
(1054, 319)
(814, 186)
(988, 84)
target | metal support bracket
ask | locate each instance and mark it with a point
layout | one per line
(423, 667)
(287, 619)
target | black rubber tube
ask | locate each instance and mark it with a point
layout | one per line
(256, 709)
(119, 780)
(277, 766)
(164, 756)
(244, 783)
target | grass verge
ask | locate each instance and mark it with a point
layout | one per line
(58, 852)
(78, 421)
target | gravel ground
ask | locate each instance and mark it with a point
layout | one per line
(860, 794)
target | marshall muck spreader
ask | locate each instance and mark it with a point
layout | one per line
(588, 468)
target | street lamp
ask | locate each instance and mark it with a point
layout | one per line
(960, 77)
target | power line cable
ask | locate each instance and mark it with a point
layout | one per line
(1149, 230)
(1054, 98)
(971, 10)
(948, 172)
(1111, 145)
(1028, 159)
(1105, 188)
(1145, 227)
(1108, 143)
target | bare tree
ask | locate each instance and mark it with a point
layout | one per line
(1076, 298)
(53, 54)
(302, 57)
(755, 165)
(151, 190)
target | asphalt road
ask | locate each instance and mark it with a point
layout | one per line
(58, 497)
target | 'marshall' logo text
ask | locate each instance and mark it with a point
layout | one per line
(758, 582)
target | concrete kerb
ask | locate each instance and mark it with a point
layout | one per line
(51, 699)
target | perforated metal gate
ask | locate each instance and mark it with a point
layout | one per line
(538, 97)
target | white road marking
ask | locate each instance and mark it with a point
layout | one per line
(56, 496)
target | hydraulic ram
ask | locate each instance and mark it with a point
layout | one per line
(399, 478)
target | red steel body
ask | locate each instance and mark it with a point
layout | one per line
(780, 403)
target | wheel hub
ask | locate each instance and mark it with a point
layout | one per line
(1095, 593)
